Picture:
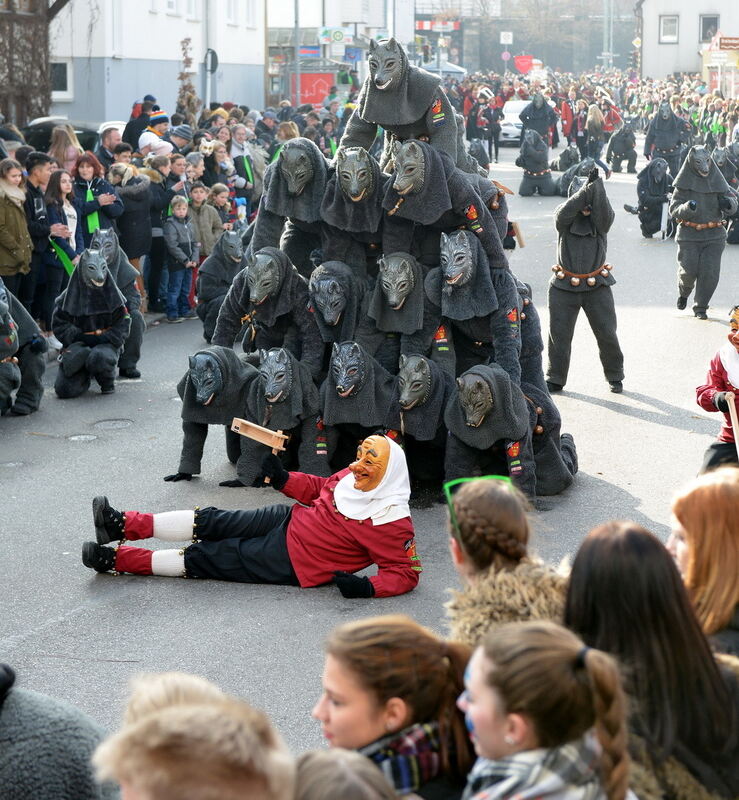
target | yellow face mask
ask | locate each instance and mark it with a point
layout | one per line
(373, 457)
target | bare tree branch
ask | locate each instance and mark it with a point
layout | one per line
(55, 8)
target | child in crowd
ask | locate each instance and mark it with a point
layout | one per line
(205, 218)
(183, 251)
(219, 198)
(340, 775)
(152, 692)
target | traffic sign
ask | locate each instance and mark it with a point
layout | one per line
(505, 55)
(728, 43)
(636, 42)
(506, 37)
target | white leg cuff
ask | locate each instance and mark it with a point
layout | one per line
(168, 563)
(174, 526)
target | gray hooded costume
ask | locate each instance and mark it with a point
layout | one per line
(664, 138)
(701, 236)
(292, 222)
(21, 339)
(653, 193)
(215, 276)
(534, 160)
(580, 169)
(532, 344)
(582, 280)
(282, 320)
(501, 444)
(229, 402)
(622, 147)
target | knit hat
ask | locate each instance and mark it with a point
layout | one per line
(269, 115)
(182, 132)
(149, 98)
(157, 117)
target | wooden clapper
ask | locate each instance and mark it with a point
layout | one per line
(274, 439)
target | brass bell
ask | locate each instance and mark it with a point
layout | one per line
(555, 268)
(590, 281)
(575, 281)
(561, 275)
(604, 273)
(539, 410)
(523, 316)
(538, 429)
(609, 267)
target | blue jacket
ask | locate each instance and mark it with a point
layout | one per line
(106, 214)
(55, 213)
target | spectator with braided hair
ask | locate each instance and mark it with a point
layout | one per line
(488, 541)
(547, 717)
(626, 597)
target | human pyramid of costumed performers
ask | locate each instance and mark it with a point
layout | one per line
(386, 339)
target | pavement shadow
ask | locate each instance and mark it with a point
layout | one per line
(666, 414)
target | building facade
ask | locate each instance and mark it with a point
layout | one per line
(107, 54)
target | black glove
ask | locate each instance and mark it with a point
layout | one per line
(272, 468)
(692, 205)
(720, 401)
(235, 483)
(593, 175)
(725, 202)
(88, 339)
(353, 585)
(178, 476)
(38, 344)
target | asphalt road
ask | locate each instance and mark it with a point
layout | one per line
(79, 636)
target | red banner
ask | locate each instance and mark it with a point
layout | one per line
(523, 63)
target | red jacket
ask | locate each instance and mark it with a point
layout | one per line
(716, 381)
(321, 541)
(611, 119)
(567, 116)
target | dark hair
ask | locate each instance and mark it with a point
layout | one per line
(176, 119)
(626, 597)
(21, 154)
(53, 193)
(147, 106)
(10, 163)
(198, 185)
(122, 147)
(88, 158)
(35, 159)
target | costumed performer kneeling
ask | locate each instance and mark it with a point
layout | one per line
(357, 517)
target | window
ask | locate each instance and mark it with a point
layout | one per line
(25, 6)
(668, 29)
(172, 6)
(61, 80)
(192, 9)
(232, 12)
(251, 14)
(708, 26)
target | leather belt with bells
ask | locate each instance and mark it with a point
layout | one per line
(576, 279)
(536, 174)
(700, 226)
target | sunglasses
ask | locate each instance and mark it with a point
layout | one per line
(450, 488)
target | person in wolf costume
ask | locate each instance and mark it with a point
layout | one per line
(728, 167)
(126, 277)
(582, 280)
(622, 147)
(92, 322)
(352, 211)
(289, 214)
(270, 298)
(532, 344)
(653, 189)
(700, 201)
(566, 159)
(22, 357)
(581, 169)
(534, 160)
(215, 276)
(665, 138)
(407, 102)
(337, 526)
(213, 392)
(538, 116)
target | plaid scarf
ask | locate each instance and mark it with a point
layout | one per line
(568, 772)
(408, 759)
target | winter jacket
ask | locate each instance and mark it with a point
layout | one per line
(727, 639)
(182, 243)
(37, 220)
(321, 541)
(530, 591)
(72, 249)
(45, 750)
(208, 226)
(134, 225)
(717, 381)
(159, 199)
(106, 214)
(15, 241)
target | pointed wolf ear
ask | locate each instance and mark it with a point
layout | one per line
(392, 44)
(381, 264)
(460, 383)
(262, 355)
(401, 361)
(479, 384)
(191, 362)
(372, 46)
(413, 148)
(444, 239)
(340, 154)
(355, 349)
(282, 356)
(335, 350)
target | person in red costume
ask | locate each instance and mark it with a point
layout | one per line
(338, 526)
(723, 377)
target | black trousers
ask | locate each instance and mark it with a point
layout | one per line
(157, 257)
(24, 286)
(242, 546)
(717, 455)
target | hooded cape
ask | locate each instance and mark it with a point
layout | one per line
(306, 207)
(365, 216)
(98, 304)
(422, 422)
(407, 319)
(688, 180)
(292, 285)
(509, 418)
(386, 503)
(217, 272)
(654, 187)
(230, 402)
(354, 291)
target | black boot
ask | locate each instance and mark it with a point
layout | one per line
(129, 372)
(97, 557)
(109, 523)
(616, 386)
(554, 387)
(682, 302)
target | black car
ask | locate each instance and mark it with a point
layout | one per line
(38, 133)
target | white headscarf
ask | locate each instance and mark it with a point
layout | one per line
(730, 360)
(388, 502)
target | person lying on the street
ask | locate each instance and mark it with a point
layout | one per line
(339, 525)
(722, 380)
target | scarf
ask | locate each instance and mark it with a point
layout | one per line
(408, 759)
(567, 772)
(730, 361)
(14, 193)
(152, 130)
(387, 503)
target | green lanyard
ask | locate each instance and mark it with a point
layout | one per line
(93, 220)
(62, 256)
(247, 169)
(277, 154)
(333, 147)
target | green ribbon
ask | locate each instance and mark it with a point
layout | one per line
(333, 147)
(63, 257)
(93, 220)
(277, 154)
(247, 169)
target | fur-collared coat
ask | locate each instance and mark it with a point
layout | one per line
(532, 590)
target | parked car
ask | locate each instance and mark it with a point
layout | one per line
(38, 131)
(511, 126)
